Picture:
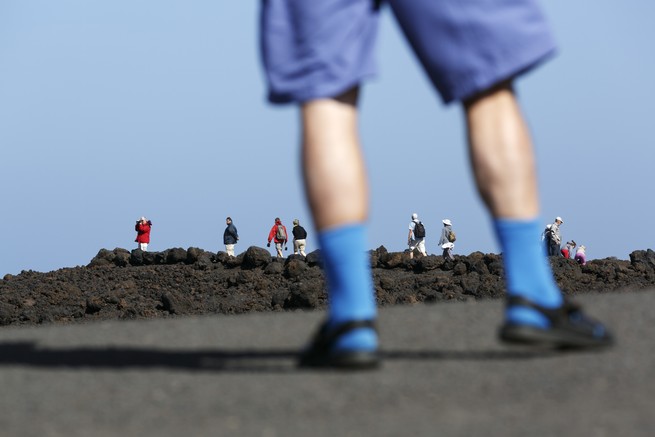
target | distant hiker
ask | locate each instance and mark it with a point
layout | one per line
(230, 236)
(416, 236)
(555, 238)
(569, 249)
(581, 255)
(299, 237)
(447, 240)
(545, 237)
(278, 234)
(142, 229)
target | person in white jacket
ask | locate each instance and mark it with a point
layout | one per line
(581, 255)
(555, 238)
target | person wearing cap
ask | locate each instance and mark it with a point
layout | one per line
(299, 238)
(555, 238)
(415, 241)
(142, 229)
(230, 236)
(447, 240)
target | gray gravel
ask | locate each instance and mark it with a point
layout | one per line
(444, 374)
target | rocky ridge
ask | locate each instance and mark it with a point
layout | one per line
(119, 284)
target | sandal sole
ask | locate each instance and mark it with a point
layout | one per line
(345, 361)
(556, 338)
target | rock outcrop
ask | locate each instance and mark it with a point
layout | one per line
(119, 284)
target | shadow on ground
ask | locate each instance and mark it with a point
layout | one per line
(218, 360)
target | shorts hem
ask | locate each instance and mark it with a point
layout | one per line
(488, 80)
(316, 93)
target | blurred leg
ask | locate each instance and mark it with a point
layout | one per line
(501, 155)
(337, 192)
(504, 167)
(333, 166)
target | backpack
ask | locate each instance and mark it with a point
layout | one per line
(451, 236)
(280, 235)
(419, 230)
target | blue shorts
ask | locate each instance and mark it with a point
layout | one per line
(320, 49)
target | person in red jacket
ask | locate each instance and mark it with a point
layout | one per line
(142, 229)
(279, 235)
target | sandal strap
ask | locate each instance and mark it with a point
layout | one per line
(554, 315)
(568, 323)
(327, 336)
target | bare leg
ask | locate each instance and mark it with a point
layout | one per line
(501, 155)
(504, 167)
(337, 193)
(333, 166)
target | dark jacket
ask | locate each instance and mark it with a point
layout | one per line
(299, 233)
(230, 236)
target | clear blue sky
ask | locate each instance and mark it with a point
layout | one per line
(113, 110)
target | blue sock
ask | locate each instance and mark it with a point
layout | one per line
(527, 270)
(347, 267)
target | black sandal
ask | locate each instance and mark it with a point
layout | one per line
(320, 352)
(569, 327)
